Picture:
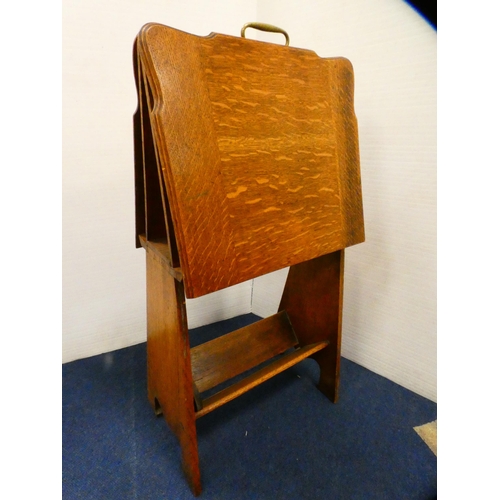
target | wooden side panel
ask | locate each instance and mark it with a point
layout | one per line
(159, 226)
(230, 355)
(312, 297)
(255, 145)
(170, 382)
(186, 143)
(346, 131)
(155, 204)
(140, 213)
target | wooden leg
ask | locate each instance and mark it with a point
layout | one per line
(170, 380)
(313, 300)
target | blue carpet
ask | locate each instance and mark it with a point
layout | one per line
(282, 440)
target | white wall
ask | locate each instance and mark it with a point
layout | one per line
(390, 280)
(390, 286)
(103, 273)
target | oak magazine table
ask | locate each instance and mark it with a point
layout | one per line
(246, 162)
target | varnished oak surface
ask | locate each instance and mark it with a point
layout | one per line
(234, 353)
(313, 297)
(162, 252)
(257, 146)
(170, 383)
(246, 161)
(239, 388)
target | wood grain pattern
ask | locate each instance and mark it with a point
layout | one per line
(246, 161)
(258, 150)
(163, 253)
(237, 352)
(346, 129)
(286, 361)
(312, 297)
(183, 132)
(170, 384)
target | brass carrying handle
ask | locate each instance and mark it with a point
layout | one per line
(266, 27)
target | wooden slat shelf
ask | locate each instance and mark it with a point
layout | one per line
(269, 371)
(237, 352)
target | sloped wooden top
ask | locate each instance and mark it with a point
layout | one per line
(258, 146)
